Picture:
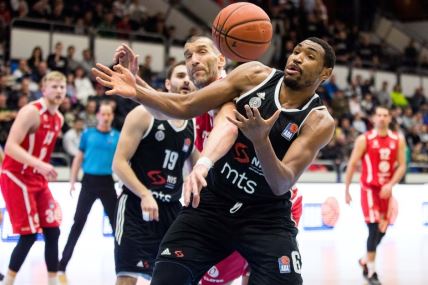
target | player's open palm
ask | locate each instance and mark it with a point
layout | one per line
(120, 80)
(193, 185)
(253, 126)
(149, 206)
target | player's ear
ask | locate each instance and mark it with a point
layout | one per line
(221, 60)
(326, 73)
(168, 84)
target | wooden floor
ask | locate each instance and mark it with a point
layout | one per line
(329, 256)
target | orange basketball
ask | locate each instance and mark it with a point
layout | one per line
(242, 31)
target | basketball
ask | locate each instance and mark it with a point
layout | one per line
(242, 31)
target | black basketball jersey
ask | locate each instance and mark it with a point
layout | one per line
(159, 159)
(238, 175)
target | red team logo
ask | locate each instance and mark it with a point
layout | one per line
(240, 154)
(156, 177)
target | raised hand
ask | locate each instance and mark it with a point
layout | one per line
(120, 80)
(126, 57)
(254, 127)
(193, 184)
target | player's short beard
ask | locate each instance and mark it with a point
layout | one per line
(292, 84)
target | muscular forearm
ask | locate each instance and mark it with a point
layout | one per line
(21, 155)
(279, 177)
(128, 177)
(220, 141)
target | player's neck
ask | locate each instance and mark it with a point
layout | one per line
(292, 99)
(382, 132)
(103, 128)
(177, 123)
(52, 108)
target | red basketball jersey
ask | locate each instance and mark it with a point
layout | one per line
(41, 143)
(204, 125)
(380, 159)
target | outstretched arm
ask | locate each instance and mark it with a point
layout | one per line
(220, 140)
(122, 82)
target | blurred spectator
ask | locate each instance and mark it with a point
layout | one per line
(71, 88)
(83, 84)
(35, 58)
(67, 110)
(330, 87)
(71, 138)
(7, 115)
(56, 61)
(40, 72)
(89, 114)
(23, 70)
(383, 95)
(367, 104)
(365, 51)
(418, 99)
(57, 14)
(408, 121)
(88, 61)
(420, 153)
(359, 124)
(146, 72)
(5, 13)
(41, 9)
(72, 64)
(137, 13)
(397, 97)
(340, 104)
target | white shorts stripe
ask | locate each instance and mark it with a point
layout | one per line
(25, 195)
(370, 205)
(120, 218)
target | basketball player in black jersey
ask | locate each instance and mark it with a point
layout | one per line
(282, 126)
(149, 161)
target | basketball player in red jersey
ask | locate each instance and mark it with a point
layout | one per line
(382, 154)
(25, 174)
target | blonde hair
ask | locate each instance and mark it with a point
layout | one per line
(53, 75)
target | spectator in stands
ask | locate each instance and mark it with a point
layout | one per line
(408, 120)
(41, 9)
(41, 70)
(124, 24)
(341, 47)
(5, 13)
(19, 8)
(359, 124)
(120, 9)
(383, 95)
(71, 88)
(107, 25)
(7, 116)
(418, 99)
(58, 14)
(35, 58)
(71, 139)
(365, 51)
(146, 72)
(88, 61)
(83, 84)
(56, 61)
(23, 70)
(330, 87)
(68, 110)
(397, 97)
(367, 104)
(89, 115)
(340, 104)
(72, 64)
(137, 13)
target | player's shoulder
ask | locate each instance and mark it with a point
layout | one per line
(138, 114)
(321, 118)
(255, 67)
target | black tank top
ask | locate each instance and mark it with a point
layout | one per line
(159, 159)
(238, 175)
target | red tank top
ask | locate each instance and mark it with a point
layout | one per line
(380, 159)
(40, 143)
(204, 125)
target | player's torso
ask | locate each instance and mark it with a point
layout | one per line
(204, 125)
(380, 158)
(238, 174)
(40, 143)
(159, 159)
